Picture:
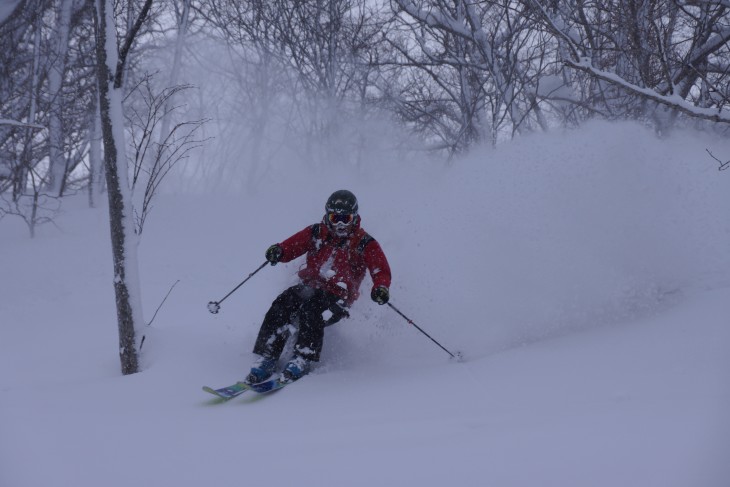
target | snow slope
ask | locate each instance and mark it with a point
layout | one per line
(585, 276)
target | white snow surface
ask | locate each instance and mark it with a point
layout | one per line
(7, 7)
(584, 274)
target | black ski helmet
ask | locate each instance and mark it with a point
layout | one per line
(341, 202)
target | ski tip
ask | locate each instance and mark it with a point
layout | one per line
(212, 391)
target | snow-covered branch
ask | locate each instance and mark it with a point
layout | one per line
(5, 121)
(675, 102)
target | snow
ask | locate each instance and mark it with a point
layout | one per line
(7, 7)
(584, 275)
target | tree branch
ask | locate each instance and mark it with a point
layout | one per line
(674, 102)
(5, 121)
(723, 165)
(128, 41)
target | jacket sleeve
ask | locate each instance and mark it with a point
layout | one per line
(296, 245)
(377, 264)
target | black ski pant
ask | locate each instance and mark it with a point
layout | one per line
(307, 305)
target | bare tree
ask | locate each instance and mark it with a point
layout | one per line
(644, 59)
(29, 202)
(20, 81)
(57, 71)
(35, 207)
(111, 60)
(157, 146)
(96, 163)
(480, 64)
(255, 81)
(45, 73)
(182, 23)
(305, 66)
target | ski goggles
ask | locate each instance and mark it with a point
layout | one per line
(345, 218)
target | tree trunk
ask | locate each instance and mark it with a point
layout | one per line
(182, 29)
(123, 238)
(57, 169)
(96, 170)
(21, 176)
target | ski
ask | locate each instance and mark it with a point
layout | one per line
(229, 392)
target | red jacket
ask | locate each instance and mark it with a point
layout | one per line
(336, 264)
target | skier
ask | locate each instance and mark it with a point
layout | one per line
(338, 253)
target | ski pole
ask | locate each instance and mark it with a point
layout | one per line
(456, 356)
(215, 306)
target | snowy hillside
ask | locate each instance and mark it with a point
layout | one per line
(585, 276)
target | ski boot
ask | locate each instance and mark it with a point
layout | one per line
(297, 368)
(262, 369)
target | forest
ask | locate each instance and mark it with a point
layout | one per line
(314, 77)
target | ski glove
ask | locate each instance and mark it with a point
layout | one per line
(274, 254)
(380, 294)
